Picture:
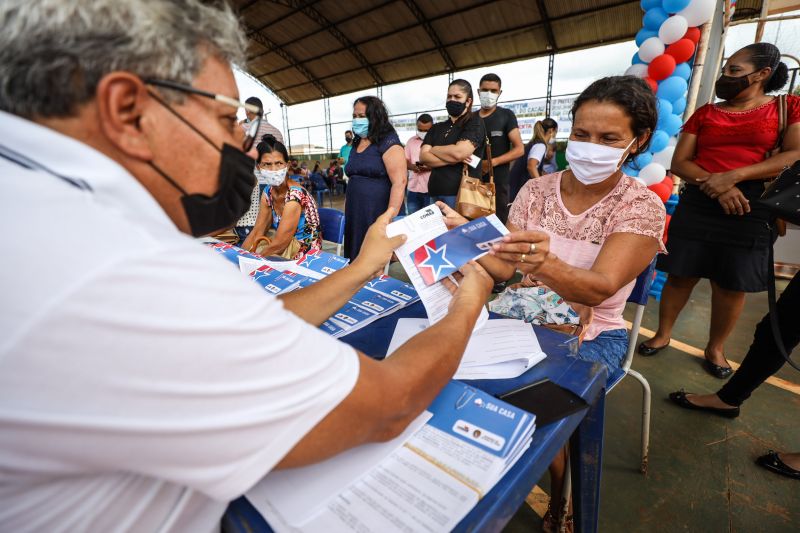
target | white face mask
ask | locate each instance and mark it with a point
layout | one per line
(592, 163)
(273, 178)
(421, 134)
(488, 99)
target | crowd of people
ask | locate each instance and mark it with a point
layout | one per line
(148, 383)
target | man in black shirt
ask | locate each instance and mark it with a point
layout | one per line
(504, 138)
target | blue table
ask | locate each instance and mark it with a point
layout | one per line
(583, 429)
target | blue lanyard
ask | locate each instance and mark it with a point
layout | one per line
(30, 164)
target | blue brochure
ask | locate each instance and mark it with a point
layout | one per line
(374, 302)
(445, 254)
(231, 252)
(331, 328)
(393, 288)
(352, 316)
(275, 281)
(322, 262)
(480, 419)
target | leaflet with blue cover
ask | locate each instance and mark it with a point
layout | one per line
(322, 262)
(445, 254)
(352, 317)
(393, 288)
(332, 329)
(374, 302)
(232, 253)
(274, 281)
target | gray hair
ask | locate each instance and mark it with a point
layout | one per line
(53, 53)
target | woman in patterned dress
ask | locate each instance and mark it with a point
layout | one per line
(288, 212)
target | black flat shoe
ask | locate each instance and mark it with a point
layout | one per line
(647, 351)
(773, 463)
(720, 372)
(680, 399)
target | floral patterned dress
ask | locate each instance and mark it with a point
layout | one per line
(308, 227)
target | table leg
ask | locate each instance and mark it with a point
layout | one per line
(586, 456)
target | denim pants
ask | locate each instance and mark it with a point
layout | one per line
(449, 200)
(416, 201)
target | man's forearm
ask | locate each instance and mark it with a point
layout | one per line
(316, 303)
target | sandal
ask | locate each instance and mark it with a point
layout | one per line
(550, 523)
(773, 463)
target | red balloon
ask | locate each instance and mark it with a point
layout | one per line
(661, 67)
(651, 82)
(693, 34)
(666, 228)
(670, 184)
(661, 190)
(680, 50)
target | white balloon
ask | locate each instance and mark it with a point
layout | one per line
(652, 174)
(664, 157)
(698, 12)
(673, 141)
(673, 29)
(651, 49)
(639, 70)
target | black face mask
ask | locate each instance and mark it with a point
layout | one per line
(455, 108)
(729, 87)
(209, 214)
(348, 139)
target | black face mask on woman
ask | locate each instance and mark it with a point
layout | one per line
(455, 108)
(729, 87)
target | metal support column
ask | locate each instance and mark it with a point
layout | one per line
(328, 131)
(285, 117)
(550, 63)
(379, 89)
(450, 77)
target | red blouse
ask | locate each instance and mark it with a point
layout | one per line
(727, 140)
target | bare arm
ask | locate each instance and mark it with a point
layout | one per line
(533, 167)
(517, 149)
(390, 394)
(287, 228)
(263, 221)
(395, 163)
(683, 164)
(454, 153)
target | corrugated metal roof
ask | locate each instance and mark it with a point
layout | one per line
(308, 49)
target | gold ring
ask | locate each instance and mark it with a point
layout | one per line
(533, 248)
(522, 258)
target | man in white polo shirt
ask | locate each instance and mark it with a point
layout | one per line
(144, 383)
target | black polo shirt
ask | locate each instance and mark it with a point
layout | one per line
(498, 125)
(444, 181)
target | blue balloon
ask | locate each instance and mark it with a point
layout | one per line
(643, 35)
(672, 88)
(654, 18)
(683, 70)
(672, 125)
(643, 159)
(628, 170)
(673, 6)
(659, 141)
(649, 4)
(679, 106)
(664, 107)
(637, 60)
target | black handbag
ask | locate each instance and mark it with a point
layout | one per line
(782, 198)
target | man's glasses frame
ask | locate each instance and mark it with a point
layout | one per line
(252, 130)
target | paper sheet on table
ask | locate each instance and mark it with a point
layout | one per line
(501, 349)
(421, 227)
(321, 481)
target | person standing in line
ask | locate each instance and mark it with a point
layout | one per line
(417, 196)
(530, 165)
(717, 232)
(550, 165)
(344, 153)
(377, 171)
(451, 144)
(504, 139)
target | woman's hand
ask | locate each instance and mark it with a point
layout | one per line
(451, 217)
(526, 250)
(733, 202)
(377, 248)
(719, 183)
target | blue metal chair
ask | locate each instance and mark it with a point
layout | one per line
(332, 222)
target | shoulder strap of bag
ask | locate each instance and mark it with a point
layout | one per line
(488, 149)
(782, 120)
(773, 312)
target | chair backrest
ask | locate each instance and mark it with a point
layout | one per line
(332, 222)
(641, 290)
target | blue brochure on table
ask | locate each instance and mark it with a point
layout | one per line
(323, 262)
(480, 419)
(393, 288)
(445, 254)
(332, 329)
(232, 253)
(352, 317)
(275, 281)
(375, 302)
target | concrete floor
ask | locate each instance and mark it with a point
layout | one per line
(701, 475)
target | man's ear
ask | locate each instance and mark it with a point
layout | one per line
(121, 100)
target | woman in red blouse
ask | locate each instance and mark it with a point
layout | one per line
(717, 232)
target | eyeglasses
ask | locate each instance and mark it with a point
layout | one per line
(252, 129)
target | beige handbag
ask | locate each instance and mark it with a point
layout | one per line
(475, 198)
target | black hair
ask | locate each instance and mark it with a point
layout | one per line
(316, 166)
(425, 118)
(378, 115)
(256, 101)
(767, 55)
(633, 96)
(491, 77)
(466, 87)
(270, 144)
(348, 131)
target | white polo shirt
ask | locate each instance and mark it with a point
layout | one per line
(144, 382)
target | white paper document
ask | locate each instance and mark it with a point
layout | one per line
(501, 349)
(421, 227)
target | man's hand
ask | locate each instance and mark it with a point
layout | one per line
(474, 287)
(733, 202)
(526, 250)
(451, 217)
(719, 183)
(377, 248)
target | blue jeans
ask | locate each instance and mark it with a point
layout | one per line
(416, 201)
(608, 348)
(449, 200)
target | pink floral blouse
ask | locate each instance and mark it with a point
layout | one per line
(577, 239)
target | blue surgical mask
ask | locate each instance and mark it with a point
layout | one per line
(361, 126)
